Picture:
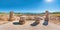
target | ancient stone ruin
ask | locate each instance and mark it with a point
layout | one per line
(11, 16)
(37, 21)
(46, 18)
(22, 20)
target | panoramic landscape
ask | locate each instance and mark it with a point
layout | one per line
(30, 15)
(11, 21)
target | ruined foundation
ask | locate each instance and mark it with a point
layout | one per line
(22, 21)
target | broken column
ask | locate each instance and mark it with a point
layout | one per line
(11, 16)
(22, 20)
(46, 18)
(37, 21)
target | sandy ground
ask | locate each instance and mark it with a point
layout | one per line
(27, 26)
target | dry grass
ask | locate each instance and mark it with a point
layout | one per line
(56, 15)
(5, 17)
(55, 19)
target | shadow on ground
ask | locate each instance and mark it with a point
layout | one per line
(34, 24)
(16, 23)
(45, 23)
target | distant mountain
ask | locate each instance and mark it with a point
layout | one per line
(40, 13)
(32, 13)
(56, 12)
(27, 13)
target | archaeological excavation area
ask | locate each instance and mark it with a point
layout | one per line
(46, 21)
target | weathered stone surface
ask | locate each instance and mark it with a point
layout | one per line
(22, 21)
(47, 15)
(37, 21)
(11, 17)
(46, 18)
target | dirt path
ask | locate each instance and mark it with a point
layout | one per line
(26, 26)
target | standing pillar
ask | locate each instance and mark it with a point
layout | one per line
(11, 16)
(46, 18)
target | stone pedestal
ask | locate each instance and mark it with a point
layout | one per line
(11, 16)
(22, 20)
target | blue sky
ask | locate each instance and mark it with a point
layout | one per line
(31, 6)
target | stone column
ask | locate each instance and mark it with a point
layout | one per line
(11, 16)
(46, 18)
(22, 20)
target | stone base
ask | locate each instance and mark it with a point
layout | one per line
(21, 22)
(12, 19)
(45, 23)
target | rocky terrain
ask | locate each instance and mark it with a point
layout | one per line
(27, 26)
